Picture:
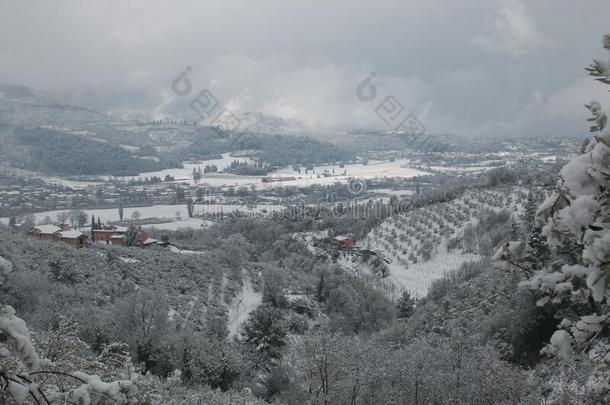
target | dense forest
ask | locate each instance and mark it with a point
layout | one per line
(54, 152)
(275, 150)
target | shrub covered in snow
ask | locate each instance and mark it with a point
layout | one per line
(26, 376)
(576, 220)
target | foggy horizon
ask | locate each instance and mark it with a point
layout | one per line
(501, 67)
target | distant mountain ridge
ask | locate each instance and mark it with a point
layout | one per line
(24, 106)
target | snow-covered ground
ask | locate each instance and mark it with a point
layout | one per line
(321, 175)
(177, 213)
(184, 251)
(417, 278)
(242, 306)
(407, 239)
(186, 173)
(463, 169)
(128, 259)
(194, 223)
(374, 169)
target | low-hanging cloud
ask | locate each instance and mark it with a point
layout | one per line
(477, 66)
(514, 31)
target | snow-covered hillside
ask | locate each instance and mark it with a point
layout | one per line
(420, 245)
(20, 105)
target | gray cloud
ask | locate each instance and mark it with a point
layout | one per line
(475, 67)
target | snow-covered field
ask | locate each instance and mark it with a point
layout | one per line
(321, 175)
(177, 213)
(463, 169)
(374, 169)
(186, 173)
(194, 223)
(418, 277)
(416, 242)
(242, 306)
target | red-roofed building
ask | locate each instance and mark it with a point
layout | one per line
(45, 232)
(344, 242)
(74, 238)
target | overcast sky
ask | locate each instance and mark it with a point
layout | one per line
(474, 67)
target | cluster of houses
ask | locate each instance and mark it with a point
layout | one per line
(64, 233)
(37, 195)
(114, 235)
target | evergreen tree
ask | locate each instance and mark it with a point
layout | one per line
(186, 375)
(196, 175)
(121, 210)
(265, 331)
(538, 250)
(576, 222)
(189, 207)
(405, 305)
(93, 225)
(12, 222)
(131, 236)
(529, 217)
(515, 231)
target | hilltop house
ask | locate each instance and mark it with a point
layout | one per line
(45, 232)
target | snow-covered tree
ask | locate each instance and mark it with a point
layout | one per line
(576, 223)
(538, 252)
(405, 305)
(131, 236)
(27, 377)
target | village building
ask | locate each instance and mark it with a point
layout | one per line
(106, 235)
(102, 235)
(344, 242)
(63, 233)
(115, 235)
(73, 238)
(117, 240)
(46, 232)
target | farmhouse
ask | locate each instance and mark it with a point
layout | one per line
(108, 234)
(73, 238)
(64, 233)
(45, 232)
(115, 235)
(344, 242)
(117, 240)
(102, 235)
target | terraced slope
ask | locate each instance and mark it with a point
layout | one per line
(424, 244)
